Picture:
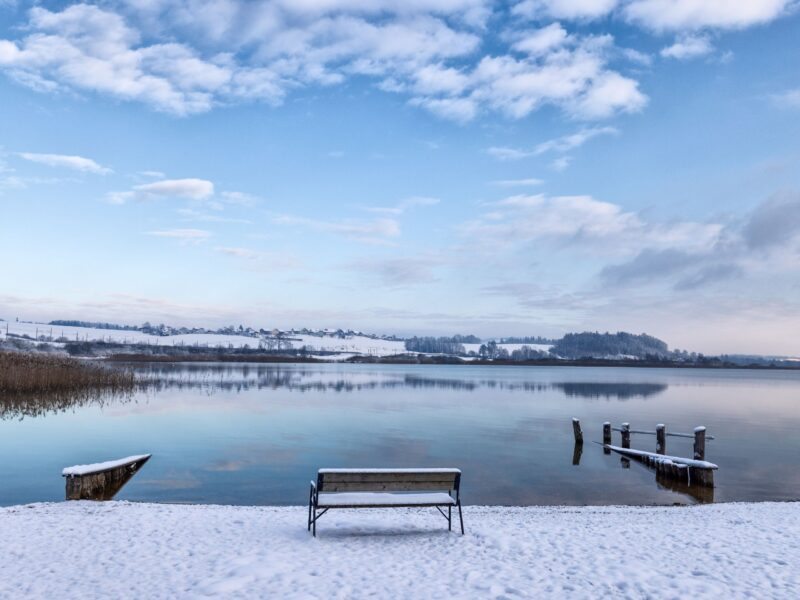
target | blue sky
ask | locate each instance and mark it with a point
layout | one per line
(427, 166)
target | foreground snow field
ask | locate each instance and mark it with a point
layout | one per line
(127, 550)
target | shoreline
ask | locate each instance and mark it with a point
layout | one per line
(428, 360)
(122, 549)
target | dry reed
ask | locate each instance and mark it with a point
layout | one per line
(32, 384)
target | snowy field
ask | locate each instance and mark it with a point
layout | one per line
(122, 550)
(353, 345)
(350, 346)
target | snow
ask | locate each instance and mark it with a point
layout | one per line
(123, 550)
(510, 347)
(101, 466)
(381, 498)
(689, 462)
(350, 345)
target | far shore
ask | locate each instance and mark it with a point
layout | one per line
(433, 360)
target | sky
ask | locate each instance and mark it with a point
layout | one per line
(420, 167)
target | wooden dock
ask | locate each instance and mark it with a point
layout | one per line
(695, 471)
(101, 481)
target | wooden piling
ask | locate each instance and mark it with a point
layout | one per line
(700, 443)
(576, 429)
(626, 435)
(576, 454)
(661, 439)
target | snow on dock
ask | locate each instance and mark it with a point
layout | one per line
(180, 551)
(101, 466)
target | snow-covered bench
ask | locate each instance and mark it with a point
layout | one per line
(385, 488)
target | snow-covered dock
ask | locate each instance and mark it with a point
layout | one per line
(178, 551)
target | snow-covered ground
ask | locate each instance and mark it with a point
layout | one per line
(355, 344)
(122, 550)
(349, 346)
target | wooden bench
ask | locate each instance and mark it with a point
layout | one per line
(385, 488)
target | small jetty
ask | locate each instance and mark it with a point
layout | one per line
(695, 471)
(101, 481)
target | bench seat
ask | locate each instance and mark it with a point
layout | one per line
(383, 499)
(385, 488)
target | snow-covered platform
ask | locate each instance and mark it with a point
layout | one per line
(126, 550)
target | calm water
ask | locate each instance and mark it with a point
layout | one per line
(256, 434)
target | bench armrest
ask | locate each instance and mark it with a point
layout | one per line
(313, 485)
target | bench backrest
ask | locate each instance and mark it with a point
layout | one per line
(388, 480)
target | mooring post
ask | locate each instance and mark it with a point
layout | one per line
(576, 454)
(626, 435)
(576, 429)
(661, 439)
(606, 436)
(700, 443)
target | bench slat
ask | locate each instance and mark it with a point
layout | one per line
(381, 477)
(385, 486)
(375, 500)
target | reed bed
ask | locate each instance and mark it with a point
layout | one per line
(32, 384)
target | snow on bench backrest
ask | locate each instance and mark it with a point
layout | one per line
(387, 480)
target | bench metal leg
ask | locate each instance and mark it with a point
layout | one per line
(312, 524)
(460, 517)
(449, 518)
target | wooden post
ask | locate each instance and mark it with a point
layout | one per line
(700, 443)
(576, 454)
(661, 439)
(576, 429)
(626, 435)
(606, 436)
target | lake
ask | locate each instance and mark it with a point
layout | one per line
(256, 434)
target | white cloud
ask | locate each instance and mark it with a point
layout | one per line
(263, 50)
(686, 47)
(270, 260)
(190, 214)
(530, 182)
(560, 145)
(584, 221)
(574, 140)
(694, 15)
(152, 174)
(77, 163)
(788, 99)
(376, 231)
(503, 153)
(404, 205)
(244, 253)
(119, 197)
(240, 199)
(191, 189)
(609, 93)
(564, 9)
(192, 236)
(561, 163)
(541, 41)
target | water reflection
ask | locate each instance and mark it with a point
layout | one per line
(241, 378)
(619, 391)
(254, 434)
(19, 406)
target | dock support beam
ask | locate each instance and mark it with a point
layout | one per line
(661, 439)
(700, 443)
(576, 429)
